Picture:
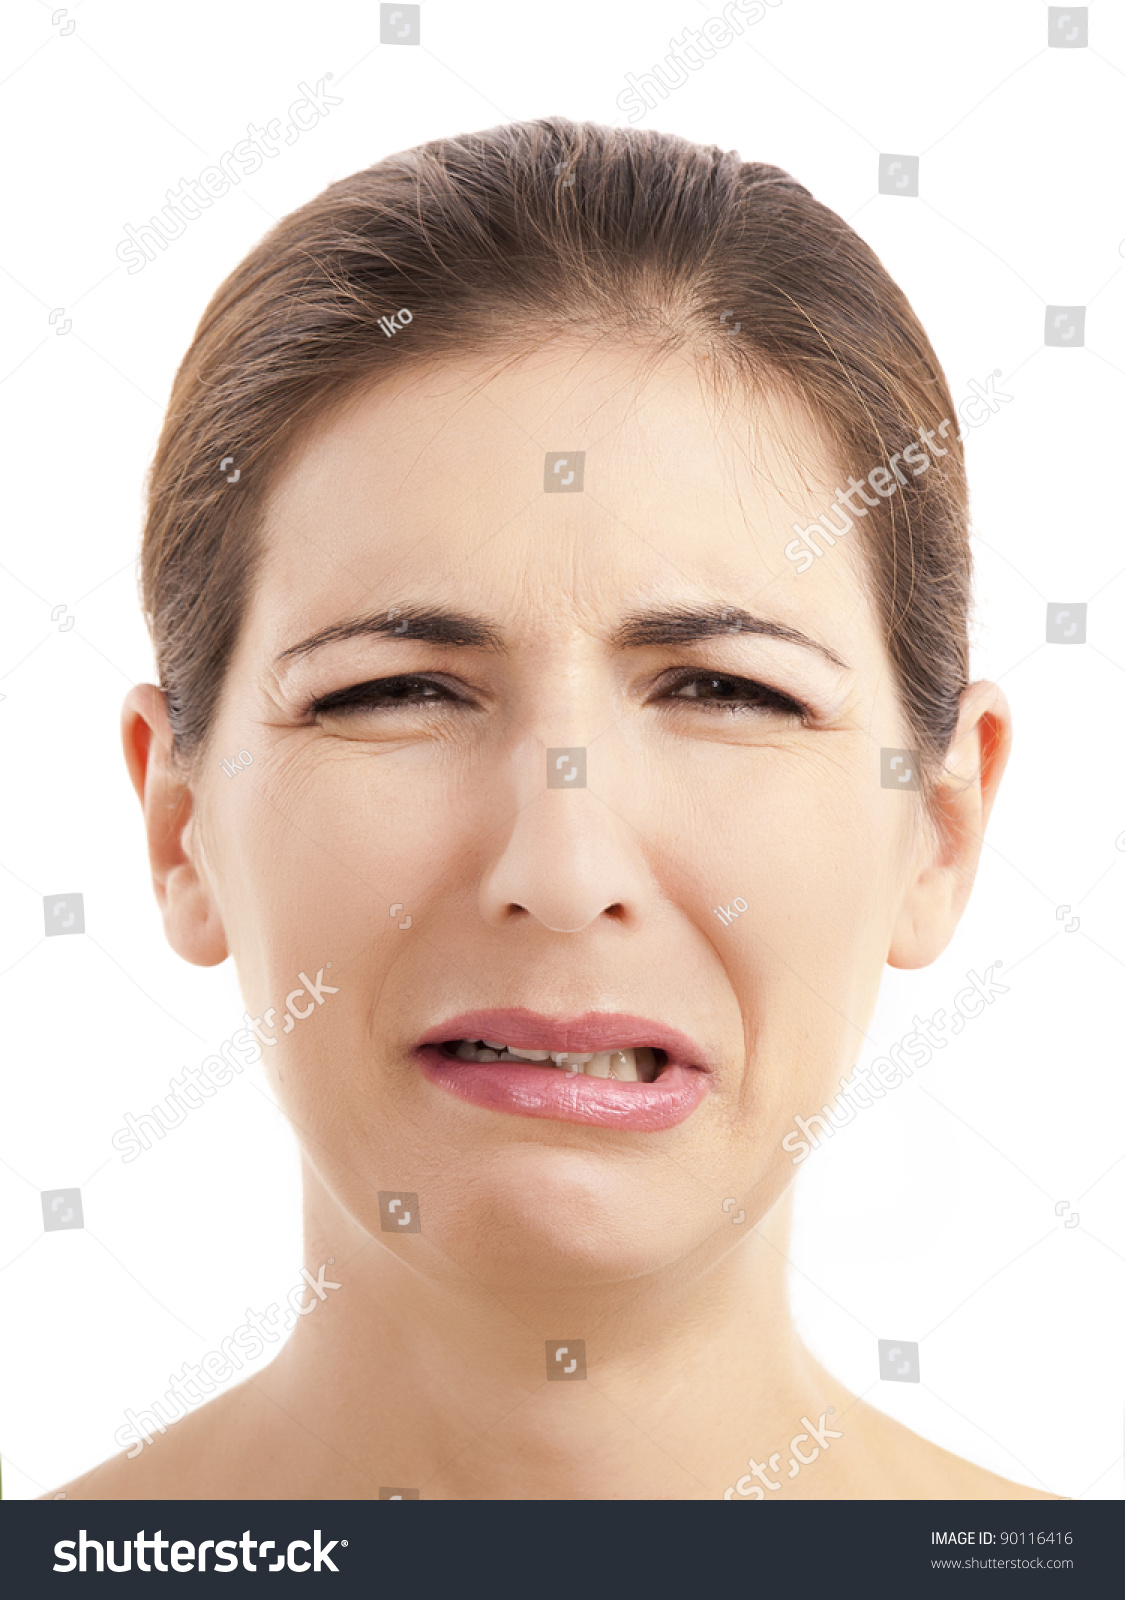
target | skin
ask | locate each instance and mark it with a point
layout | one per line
(426, 1367)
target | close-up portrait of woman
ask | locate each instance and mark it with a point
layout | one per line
(574, 726)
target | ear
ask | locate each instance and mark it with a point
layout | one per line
(946, 861)
(192, 924)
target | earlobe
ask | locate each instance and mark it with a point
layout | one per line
(962, 801)
(192, 924)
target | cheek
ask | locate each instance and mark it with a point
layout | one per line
(794, 844)
(815, 862)
(307, 868)
(354, 856)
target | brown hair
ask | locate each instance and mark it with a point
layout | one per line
(497, 241)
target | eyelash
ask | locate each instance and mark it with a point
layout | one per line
(371, 696)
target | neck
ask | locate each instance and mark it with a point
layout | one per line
(417, 1373)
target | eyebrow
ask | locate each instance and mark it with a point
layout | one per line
(685, 626)
(679, 625)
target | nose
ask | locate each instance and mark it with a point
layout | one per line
(567, 857)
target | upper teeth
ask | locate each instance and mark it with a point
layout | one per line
(634, 1065)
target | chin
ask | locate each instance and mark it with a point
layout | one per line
(557, 1218)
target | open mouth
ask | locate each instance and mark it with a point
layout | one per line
(607, 1069)
(631, 1065)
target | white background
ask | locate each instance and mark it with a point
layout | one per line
(932, 1216)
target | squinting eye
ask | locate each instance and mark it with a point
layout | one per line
(712, 692)
(381, 694)
(716, 691)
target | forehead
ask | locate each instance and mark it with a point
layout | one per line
(453, 483)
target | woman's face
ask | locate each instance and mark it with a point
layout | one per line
(424, 843)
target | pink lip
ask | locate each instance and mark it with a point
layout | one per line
(534, 1091)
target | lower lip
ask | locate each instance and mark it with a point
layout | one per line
(565, 1097)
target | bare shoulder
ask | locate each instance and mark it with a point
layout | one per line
(976, 1483)
(925, 1471)
(248, 1443)
(200, 1457)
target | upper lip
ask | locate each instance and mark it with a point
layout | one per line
(592, 1031)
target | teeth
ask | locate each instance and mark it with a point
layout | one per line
(625, 1066)
(620, 1064)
